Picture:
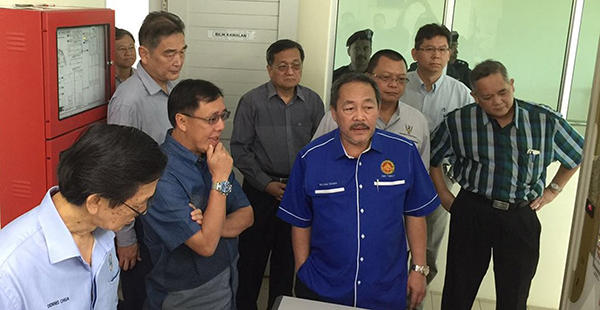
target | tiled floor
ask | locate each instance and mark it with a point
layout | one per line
(432, 301)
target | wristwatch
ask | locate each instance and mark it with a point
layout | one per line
(555, 187)
(224, 187)
(424, 270)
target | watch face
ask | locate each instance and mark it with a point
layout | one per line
(224, 187)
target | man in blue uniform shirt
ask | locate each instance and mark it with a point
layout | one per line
(500, 149)
(61, 254)
(350, 197)
(195, 266)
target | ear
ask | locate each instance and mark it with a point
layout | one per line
(348, 50)
(181, 122)
(270, 71)
(512, 84)
(413, 53)
(93, 203)
(144, 54)
(474, 95)
(333, 114)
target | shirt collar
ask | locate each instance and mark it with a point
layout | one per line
(59, 240)
(151, 86)
(271, 91)
(340, 152)
(177, 149)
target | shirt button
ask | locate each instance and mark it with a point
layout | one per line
(362, 236)
(358, 282)
(359, 163)
(360, 186)
(362, 210)
(362, 259)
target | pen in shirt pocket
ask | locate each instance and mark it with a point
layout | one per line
(533, 152)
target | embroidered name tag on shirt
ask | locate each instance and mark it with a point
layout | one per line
(329, 191)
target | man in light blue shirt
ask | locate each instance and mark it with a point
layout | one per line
(435, 94)
(61, 254)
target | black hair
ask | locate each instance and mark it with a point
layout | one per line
(431, 31)
(112, 161)
(120, 33)
(157, 25)
(282, 45)
(186, 97)
(485, 69)
(349, 78)
(391, 54)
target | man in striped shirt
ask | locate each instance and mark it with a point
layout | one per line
(500, 149)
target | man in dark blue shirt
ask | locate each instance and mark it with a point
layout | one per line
(195, 265)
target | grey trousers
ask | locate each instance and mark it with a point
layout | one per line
(216, 294)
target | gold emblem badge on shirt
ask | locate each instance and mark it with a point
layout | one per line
(388, 167)
(408, 128)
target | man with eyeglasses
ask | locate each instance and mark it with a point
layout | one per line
(272, 123)
(195, 266)
(359, 46)
(388, 69)
(435, 94)
(457, 68)
(356, 196)
(61, 254)
(141, 102)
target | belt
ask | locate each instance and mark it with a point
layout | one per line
(503, 205)
(278, 178)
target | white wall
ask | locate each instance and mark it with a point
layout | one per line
(129, 15)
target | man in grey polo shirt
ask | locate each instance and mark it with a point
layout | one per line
(272, 123)
(435, 94)
(388, 69)
(141, 102)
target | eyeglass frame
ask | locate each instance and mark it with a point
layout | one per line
(213, 119)
(136, 211)
(399, 80)
(431, 49)
(296, 67)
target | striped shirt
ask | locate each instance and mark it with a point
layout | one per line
(509, 163)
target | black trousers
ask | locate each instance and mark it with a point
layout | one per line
(476, 231)
(133, 281)
(268, 235)
(303, 291)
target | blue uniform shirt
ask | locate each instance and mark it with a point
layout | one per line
(355, 208)
(42, 268)
(168, 225)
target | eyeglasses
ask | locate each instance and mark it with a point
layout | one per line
(213, 119)
(386, 78)
(431, 50)
(136, 211)
(296, 66)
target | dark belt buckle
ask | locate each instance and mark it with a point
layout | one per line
(501, 205)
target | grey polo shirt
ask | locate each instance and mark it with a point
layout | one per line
(267, 133)
(140, 102)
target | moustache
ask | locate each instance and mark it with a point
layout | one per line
(359, 126)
